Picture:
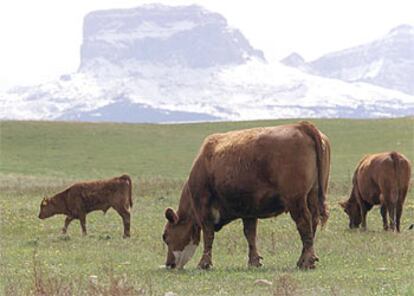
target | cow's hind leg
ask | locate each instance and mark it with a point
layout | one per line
(126, 219)
(392, 213)
(249, 229)
(391, 204)
(67, 222)
(399, 209)
(302, 216)
(206, 260)
(313, 206)
(384, 217)
(401, 198)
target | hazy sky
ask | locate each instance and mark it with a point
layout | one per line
(40, 40)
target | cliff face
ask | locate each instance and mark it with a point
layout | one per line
(189, 36)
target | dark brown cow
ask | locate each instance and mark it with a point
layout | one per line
(379, 179)
(81, 198)
(251, 174)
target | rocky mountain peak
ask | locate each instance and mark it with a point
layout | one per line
(189, 36)
(293, 60)
(386, 62)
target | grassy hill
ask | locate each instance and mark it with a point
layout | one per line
(41, 158)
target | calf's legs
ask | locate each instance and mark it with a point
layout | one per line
(126, 219)
(82, 219)
(249, 229)
(67, 222)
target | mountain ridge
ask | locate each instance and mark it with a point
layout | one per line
(386, 62)
(148, 67)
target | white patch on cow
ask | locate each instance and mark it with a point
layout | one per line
(182, 257)
(216, 215)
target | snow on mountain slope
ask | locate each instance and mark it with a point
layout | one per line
(161, 64)
(254, 90)
(387, 62)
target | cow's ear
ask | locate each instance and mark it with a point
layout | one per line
(44, 201)
(171, 216)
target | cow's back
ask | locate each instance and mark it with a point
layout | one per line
(380, 173)
(100, 195)
(256, 163)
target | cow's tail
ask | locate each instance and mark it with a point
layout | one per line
(396, 161)
(129, 181)
(314, 133)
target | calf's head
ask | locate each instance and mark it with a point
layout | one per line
(182, 237)
(351, 208)
(47, 208)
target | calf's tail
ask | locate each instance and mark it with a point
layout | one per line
(128, 179)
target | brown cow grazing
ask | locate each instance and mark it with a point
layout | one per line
(251, 174)
(81, 198)
(379, 179)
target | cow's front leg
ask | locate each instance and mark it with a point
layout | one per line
(67, 222)
(82, 219)
(208, 238)
(249, 229)
(363, 212)
(302, 216)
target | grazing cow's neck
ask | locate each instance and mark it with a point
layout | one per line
(185, 208)
(186, 216)
(352, 197)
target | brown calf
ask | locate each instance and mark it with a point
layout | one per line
(81, 198)
(379, 179)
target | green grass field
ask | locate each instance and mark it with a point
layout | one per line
(38, 159)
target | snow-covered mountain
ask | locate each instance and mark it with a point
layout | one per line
(158, 63)
(183, 35)
(388, 62)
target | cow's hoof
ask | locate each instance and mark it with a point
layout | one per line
(307, 262)
(126, 235)
(255, 261)
(205, 265)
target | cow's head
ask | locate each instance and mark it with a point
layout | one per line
(47, 209)
(351, 208)
(182, 237)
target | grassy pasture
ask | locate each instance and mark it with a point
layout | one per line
(40, 158)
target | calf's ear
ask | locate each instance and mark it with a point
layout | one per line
(171, 216)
